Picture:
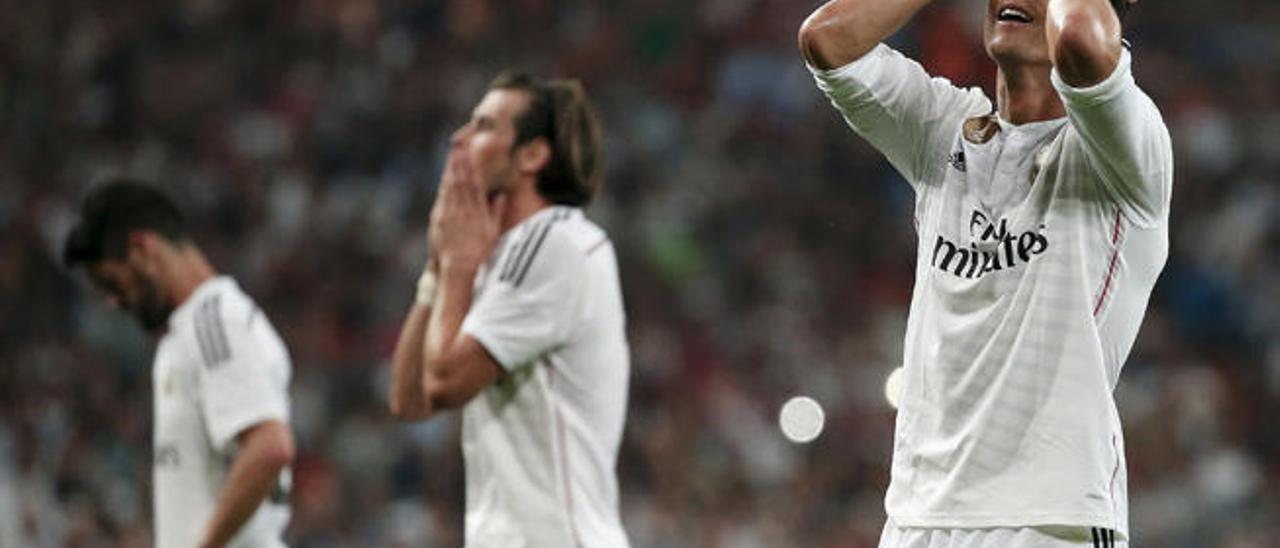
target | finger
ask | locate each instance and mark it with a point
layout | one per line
(468, 181)
(471, 197)
(467, 171)
(459, 171)
(458, 200)
(447, 176)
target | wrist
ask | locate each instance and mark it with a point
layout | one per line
(453, 266)
(428, 285)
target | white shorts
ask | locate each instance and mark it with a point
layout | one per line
(1018, 537)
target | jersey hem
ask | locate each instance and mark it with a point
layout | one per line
(490, 344)
(219, 441)
(844, 70)
(1101, 92)
(929, 521)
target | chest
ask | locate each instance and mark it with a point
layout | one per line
(995, 171)
(998, 178)
(995, 209)
(175, 389)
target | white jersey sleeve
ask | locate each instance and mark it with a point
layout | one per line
(244, 378)
(1125, 140)
(909, 116)
(533, 300)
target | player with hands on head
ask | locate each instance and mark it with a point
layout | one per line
(518, 322)
(1042, 224)
(221, 442)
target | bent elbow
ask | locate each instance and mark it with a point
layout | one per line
(447, 393)
(395, 408)
(447, 399)
(1086, 50)
(401, 411)
(809, 38)
(280, 452)
(841, 32)
(822, 39)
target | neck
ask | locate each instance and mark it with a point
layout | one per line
(1025, 94)
(522, 202)
(186, 271)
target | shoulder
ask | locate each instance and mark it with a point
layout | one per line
(556, 243)
(227, 322)
(226, 304)
(210, 327)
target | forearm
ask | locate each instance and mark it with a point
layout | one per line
(253, 475)
(1084, 40)
(842, 31)
(444, 328)
(406, 398)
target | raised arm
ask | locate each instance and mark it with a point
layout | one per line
(406, 399)
(842, 31)
(456, 366)
(435, 366)
(911, 117)
(1084, 40)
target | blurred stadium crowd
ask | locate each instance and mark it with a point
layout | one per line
(765, 251)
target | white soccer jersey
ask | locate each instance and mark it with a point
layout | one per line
(541, 445)
(1038, 248)
(219, 369)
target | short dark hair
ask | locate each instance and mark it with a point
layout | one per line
(560, 112)
(110, 212)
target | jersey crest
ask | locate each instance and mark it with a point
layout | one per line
(981, 129)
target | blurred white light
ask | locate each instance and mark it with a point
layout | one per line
(893, 387)
(801, 419)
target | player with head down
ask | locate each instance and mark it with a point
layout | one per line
(1042, 226)
(222, 444)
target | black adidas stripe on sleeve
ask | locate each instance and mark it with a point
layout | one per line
(519, 248)
(537, 235)
(211, 334)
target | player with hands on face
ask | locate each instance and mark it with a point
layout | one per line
(466, 218)
(519, 322)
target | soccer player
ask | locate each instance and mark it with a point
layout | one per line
(1042, 226)
(519, 322)
(222, 444)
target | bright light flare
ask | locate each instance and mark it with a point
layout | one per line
(801, 419)
(893, 388)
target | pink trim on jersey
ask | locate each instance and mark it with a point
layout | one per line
(1114, 472)
(564, 454)
(1116, 233)
(597, 245)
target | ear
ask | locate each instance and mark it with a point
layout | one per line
(144, 248)
(137, 245)
(532, 156)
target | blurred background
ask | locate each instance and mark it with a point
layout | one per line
(765, 251)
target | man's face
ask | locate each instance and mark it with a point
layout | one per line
(489, 138)
(128, 288)
(1014, 31)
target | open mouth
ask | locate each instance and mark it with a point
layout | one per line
(1013, 15)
